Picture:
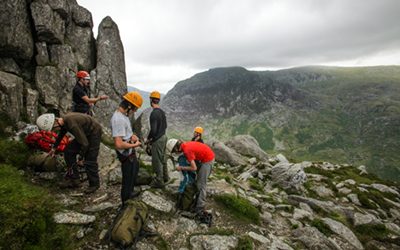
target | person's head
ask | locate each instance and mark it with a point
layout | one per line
(174, 146)
(83, 77)
(131, 102)
(46, 122)
(198, 131)
(155, 97)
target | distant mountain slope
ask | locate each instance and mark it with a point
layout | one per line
(145, 95)
(319, 113)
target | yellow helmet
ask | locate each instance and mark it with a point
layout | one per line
(198, 130)
(135, 98)
(155, 94)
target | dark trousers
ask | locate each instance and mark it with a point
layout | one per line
(130, 170)
(90, 159)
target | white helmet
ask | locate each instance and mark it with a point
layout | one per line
(45, 121)
(170, 145)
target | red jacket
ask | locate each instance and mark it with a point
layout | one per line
(197, 151)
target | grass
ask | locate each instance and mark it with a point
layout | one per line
(254, 184)
(26, 215)
(245, 243)
(13, 153)
(322, 227)
(367, 232)
(239, 207)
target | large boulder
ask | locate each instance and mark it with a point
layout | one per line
(15, 32)
(110, 75)
(225, 154)
(288, 175)
(247, 145)
(344, 232)
(210, 242)
(11, 95)
(313, 239)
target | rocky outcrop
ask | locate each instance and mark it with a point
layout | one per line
(288, 175)
(110, 76)
(43, 43)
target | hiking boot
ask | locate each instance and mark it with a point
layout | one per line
(70, 183)
(156, 184)
(91, 189)
(135, 194)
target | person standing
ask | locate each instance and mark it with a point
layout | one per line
(81, 100)
(85, 146)
(158, 140)
(126, 141)
(197, 134)
(195, 151)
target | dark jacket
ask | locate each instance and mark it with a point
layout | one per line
(158, 124)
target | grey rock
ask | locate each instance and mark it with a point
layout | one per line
(48, 175)
(354, 198)
(16, 39)
(99, 207)
(81, 16)
(313, 239)
(213, 242)
(299, 214)
(251, 172)
(42, 56)
(49, 25)
(60, 6)
(345, 190)
(258, 237)
(252, 161)
(248, 146)
(11, 95)
(106, 157)
(306, 207)
(327, 206)
(84, 47)
(66, 200)
(9, 65)
(110, 72)
(363, 219)
(157, 202)
(344, 232)
(282, 159)
(220, 187)
(393, 227)
(277, 244)
(253, 201)
(288, 175)
(115, 175)
(32, 101)
(63, 57)
(363, 170)
(71, 217)
(350, 182)
(185, 225)
(268, 207)
(226, 154)
(384, 188)
(322, 191)
(267, 217)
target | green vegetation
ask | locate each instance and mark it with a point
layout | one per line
(13, 153)
(322, 227)
(367, 232)
(254, 184)
(239, 207)
(245, 243)
(26, 215)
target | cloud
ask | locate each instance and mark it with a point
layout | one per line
(166, 41)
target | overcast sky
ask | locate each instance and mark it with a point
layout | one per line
(166, 41)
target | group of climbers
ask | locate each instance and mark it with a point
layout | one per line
(84, 149)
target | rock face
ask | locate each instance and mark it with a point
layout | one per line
(226, 154)
(110, 71)
(288, 175)
(43, 43)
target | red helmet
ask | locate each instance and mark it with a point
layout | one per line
(83, 74)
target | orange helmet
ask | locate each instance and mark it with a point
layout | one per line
(83, 74)
(135, 98)
(198, 130)
(155, 95)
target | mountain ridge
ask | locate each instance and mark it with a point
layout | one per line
(322, 112)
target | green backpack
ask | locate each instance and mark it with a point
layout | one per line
(129, 222)
(42, 162)
(187, 200)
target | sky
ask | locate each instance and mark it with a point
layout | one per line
(166, 41)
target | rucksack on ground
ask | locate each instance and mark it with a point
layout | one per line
(187, 200)
(129, 223)
(43, 140)
(42, 162)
